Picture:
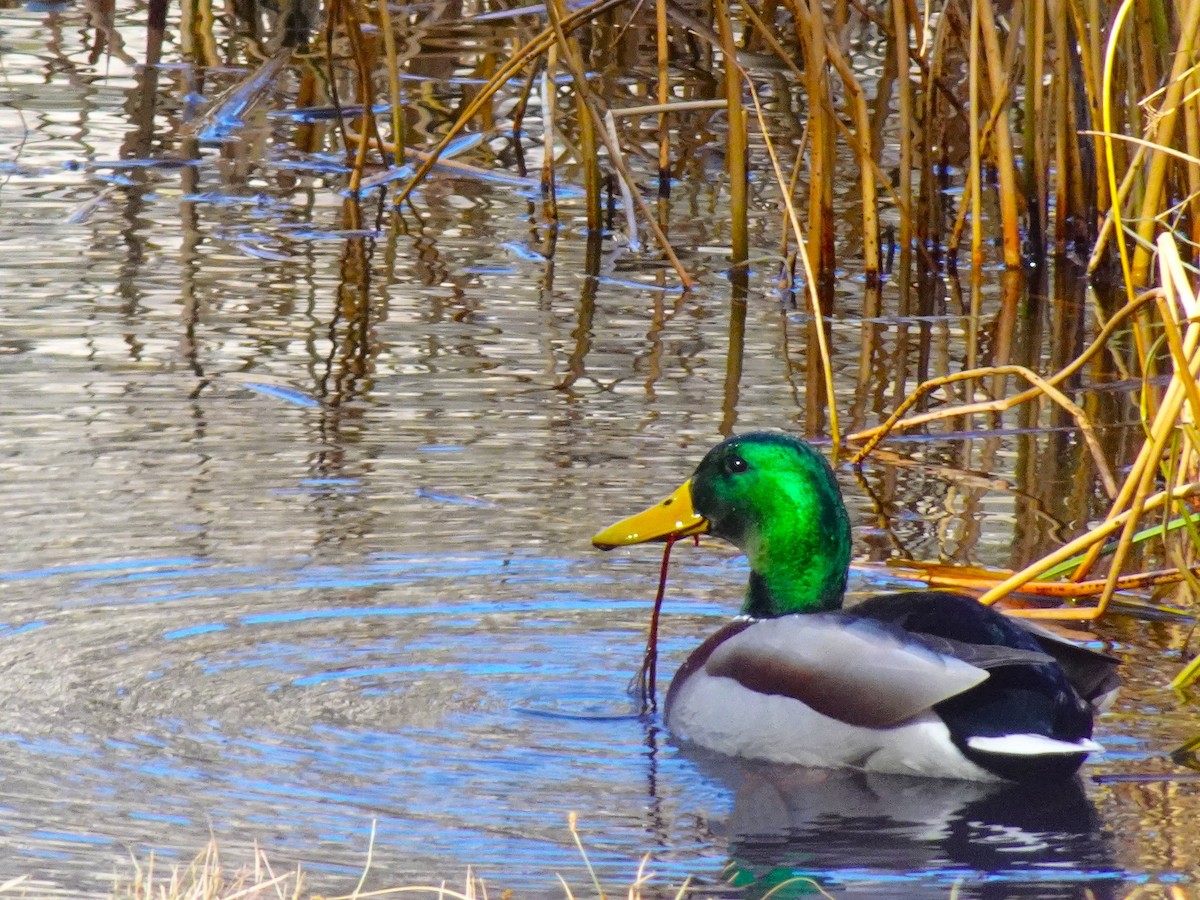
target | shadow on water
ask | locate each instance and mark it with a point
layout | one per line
(791, 829)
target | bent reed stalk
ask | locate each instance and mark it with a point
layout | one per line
(1169, 456)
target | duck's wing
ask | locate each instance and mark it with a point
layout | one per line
(985, 656)
(1095, 676)
(859, 671)
(944, 614)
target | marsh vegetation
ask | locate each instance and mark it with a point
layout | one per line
(331, 331)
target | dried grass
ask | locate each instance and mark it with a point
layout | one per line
(208, 877)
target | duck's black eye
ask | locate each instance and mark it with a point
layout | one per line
(735, 464)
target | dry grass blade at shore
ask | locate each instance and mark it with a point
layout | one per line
(207, 877)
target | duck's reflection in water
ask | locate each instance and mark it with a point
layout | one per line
(861, 834)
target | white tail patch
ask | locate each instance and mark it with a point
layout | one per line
(1104, 701)
(1031, 745)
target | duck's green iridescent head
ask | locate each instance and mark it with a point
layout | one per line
(772, 496)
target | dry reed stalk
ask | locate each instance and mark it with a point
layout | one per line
(1035, 161)
(900, 37)
(329, 33)
(1002, 149)
(364, 85)
(975, 173)
(1114, 210)
(519, 108)
(663, 60)
(393, 72)
(308, 136)
(998, 108)
(1088, 33)
(589, 156)
(811, 292)
(484, 68)
(1191, 121)
(861, 143)
(808, 21)
(197, 32)
(1067, 192)
(610, 128)
(549, 93)
(787, 255)
(659, 108)
(947, 577)
(935, 100)
(881, 103)
(1168, 303)
(1144, 54)
(1163, 133)
(737, 149)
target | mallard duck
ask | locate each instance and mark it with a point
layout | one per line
(921, 682)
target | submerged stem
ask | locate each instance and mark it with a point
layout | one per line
(646, 678)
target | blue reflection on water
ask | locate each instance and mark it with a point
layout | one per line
(466, 722)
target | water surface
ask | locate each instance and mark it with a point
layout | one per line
(296, 520)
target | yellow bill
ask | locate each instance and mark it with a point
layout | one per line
(672, 518)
